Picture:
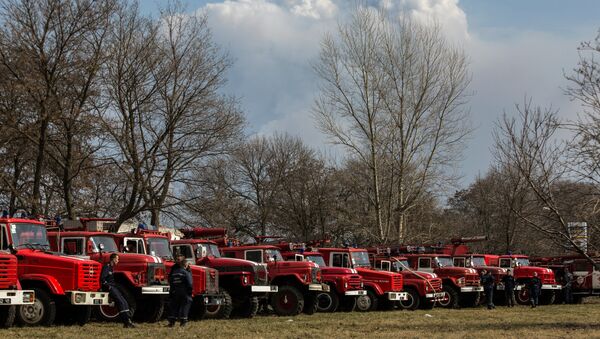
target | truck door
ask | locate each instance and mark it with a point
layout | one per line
(460, 262)
(340, 260)
(425, 265)
(72, 246)
(134, 245)
(185, 250)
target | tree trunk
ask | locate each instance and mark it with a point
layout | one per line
(39, 166)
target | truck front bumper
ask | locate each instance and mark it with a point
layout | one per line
(155, 289)
(396, 296)
(17, 297)
(551, 287)
(318, 287)
(264, 289)
(436, 296)
(500, 287)
(211, 299)
(89, 298)
(355, 292)
(468, 289)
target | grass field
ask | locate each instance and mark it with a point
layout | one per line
(557, 321)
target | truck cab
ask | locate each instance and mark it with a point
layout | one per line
(298, 282)
(64, 286)
(141, 277)
(523, 272)
(245, 282)
(384, 288)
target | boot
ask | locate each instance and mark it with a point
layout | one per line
(171, 323)
(183, 322)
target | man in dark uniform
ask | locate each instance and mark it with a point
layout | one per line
(535, 286)
(487, 280)
(180, 296)
(107, 280)
(567, 281)
(509, 288)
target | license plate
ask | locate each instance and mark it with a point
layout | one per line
(165, 289)
(97, 301)
(5, 301)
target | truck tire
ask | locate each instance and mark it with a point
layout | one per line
(328, 301)
(451, 298)
(198, 309)
(347, 304)
(310, 303)
(150, 310)
(367, 303)
(111, 312)
(7, 316)
(470, 299)
(427, 304)
(41, 313)
(222, 311)
(287, 301)
(522, 296)
(247, 308)
(68, 314)
(547, 297)
(414, 300)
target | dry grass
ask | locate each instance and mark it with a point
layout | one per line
(557, 321)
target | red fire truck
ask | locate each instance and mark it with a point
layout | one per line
(11, 294)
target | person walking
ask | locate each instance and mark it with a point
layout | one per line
(180, 294)
(509, 288)
(487, 280)
(535, 286)
(107, 280)
(567, 284)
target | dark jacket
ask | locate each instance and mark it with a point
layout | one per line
(107, 279)
(487, 281)
(535, 285)
(509, 282)
(180, 281)
(567, 279)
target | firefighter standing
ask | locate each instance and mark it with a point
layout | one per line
(180, 296)
(535, 286)
(487, 280)
(509, 288)
(107, 280)
(567, 283)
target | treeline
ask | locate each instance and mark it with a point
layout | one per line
(108, 112)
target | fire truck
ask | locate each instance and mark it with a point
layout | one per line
(345, 284)
(298, 282)
(245, 282)
(65, 287)
(11, 294)
(384, 289)
(141, 278)
(424, 288)
(157, 244)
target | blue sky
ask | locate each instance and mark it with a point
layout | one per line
(516, 48)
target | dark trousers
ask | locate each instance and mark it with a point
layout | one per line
(568, 294)
(534, 297)
(121, 304)
(179, 306)
(509, 294)
(489, 296)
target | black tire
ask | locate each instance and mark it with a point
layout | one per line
(522, 296)
(198, 309)
(111, 313)
(310, 303)
(367, 303)
(288, 301)
(83, 315)
(427, 304)
(547, 297)
(41, 313)
(347, 304)
(577, 299)
(7, 316)
(471, 299)
(222, 311)
(414, 300)
(247, 307)
(328, 301)
(451, 298)
(151, 310)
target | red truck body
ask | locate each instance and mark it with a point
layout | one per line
(523, 272)
(71, 285)
(11, 294)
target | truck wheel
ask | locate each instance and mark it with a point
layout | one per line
(7, 316)
(41, 313)
(328, 301)
(522, 296)
(427, 304)
(310, 303)
(413, 302)
(150, 310)
(287, 301)
(347, 304)
(222, 311)
(247, 308)
(198, 309)
(110, 312)
(470, 299)
(451, 297)
(547, 297)
(366, 303)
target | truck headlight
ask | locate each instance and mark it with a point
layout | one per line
(79, 298)
(245, 280)
(346, 285)
(460, 281)
(28, 297)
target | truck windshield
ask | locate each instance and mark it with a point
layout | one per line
(211, 249)
(400, 265)
(360, 259)
(522, 262)
(159, 247)
(478, 261)
(444, 262)
(317, 259)
(29, 235)
(273, 255)
(108, 243)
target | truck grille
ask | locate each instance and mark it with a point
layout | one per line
(354, 282)
(261, 277)
(313, 274)
(436, 283)
(397, 282)
(156, 274)
(212, 281)
(548, 278)
(8, 271)
(472, 280)
(89, 276)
